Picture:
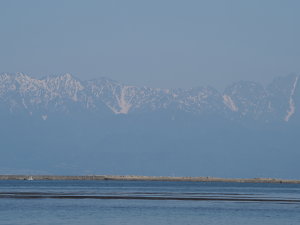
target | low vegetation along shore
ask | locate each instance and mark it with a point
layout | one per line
(147, 178)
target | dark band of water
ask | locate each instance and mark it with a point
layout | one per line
(142, 196)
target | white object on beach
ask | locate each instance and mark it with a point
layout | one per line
(30, 178)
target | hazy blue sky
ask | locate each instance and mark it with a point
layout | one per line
(154, 43)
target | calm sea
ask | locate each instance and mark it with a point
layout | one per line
(147, 202)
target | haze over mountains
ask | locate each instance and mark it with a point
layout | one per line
(63, 125)
(68, 95)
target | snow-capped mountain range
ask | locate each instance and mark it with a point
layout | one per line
(66, 94)
(62, 125)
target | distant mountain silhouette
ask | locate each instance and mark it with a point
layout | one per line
(62, 125)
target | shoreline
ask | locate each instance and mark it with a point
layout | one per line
(148, 178)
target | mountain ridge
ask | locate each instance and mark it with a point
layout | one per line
(62, 125)
(64, 93)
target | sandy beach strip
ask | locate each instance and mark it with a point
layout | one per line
(147, 178)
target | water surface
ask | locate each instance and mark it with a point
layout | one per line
(147, 202)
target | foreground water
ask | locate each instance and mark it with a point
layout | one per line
(147, 203)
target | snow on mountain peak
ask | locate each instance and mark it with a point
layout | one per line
(65, 93)
(292, 106)
(229, 103)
